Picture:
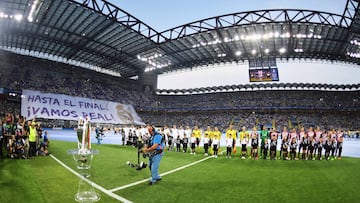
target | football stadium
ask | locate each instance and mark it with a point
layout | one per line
(179, 101)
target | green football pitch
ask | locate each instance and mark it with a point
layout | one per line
(42, 179)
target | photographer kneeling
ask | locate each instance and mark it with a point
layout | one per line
(155, 152)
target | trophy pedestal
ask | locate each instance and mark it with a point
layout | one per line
(86, 193)
(83, 160)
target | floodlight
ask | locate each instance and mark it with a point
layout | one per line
(282, 50)
(18, 17)
(35, 8)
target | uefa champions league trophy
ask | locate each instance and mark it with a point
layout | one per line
(83, 157)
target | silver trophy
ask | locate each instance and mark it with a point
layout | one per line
(83, 159)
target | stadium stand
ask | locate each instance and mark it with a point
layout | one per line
(250, 107)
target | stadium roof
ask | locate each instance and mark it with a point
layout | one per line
(98, 35)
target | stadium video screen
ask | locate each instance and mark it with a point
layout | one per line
(263, 75)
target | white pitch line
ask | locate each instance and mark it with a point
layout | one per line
(108, 192)
(163, 174)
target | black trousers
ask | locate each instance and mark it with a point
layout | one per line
(228, 151)
(1, 147)
(206, 147)
(32, 149)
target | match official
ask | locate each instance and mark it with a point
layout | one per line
(155, 152)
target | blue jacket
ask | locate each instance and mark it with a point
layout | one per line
(157, 139)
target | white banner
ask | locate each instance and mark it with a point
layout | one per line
(59, 106)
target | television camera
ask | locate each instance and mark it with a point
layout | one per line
(139, 144)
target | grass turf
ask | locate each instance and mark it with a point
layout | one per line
(41, 179)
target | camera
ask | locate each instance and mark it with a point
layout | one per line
(139, 144)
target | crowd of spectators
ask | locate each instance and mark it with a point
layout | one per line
(22, 139)
(328, 109)
(325, 120)
(275, 99)
(22, 72)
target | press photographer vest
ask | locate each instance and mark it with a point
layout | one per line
(32, 134)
